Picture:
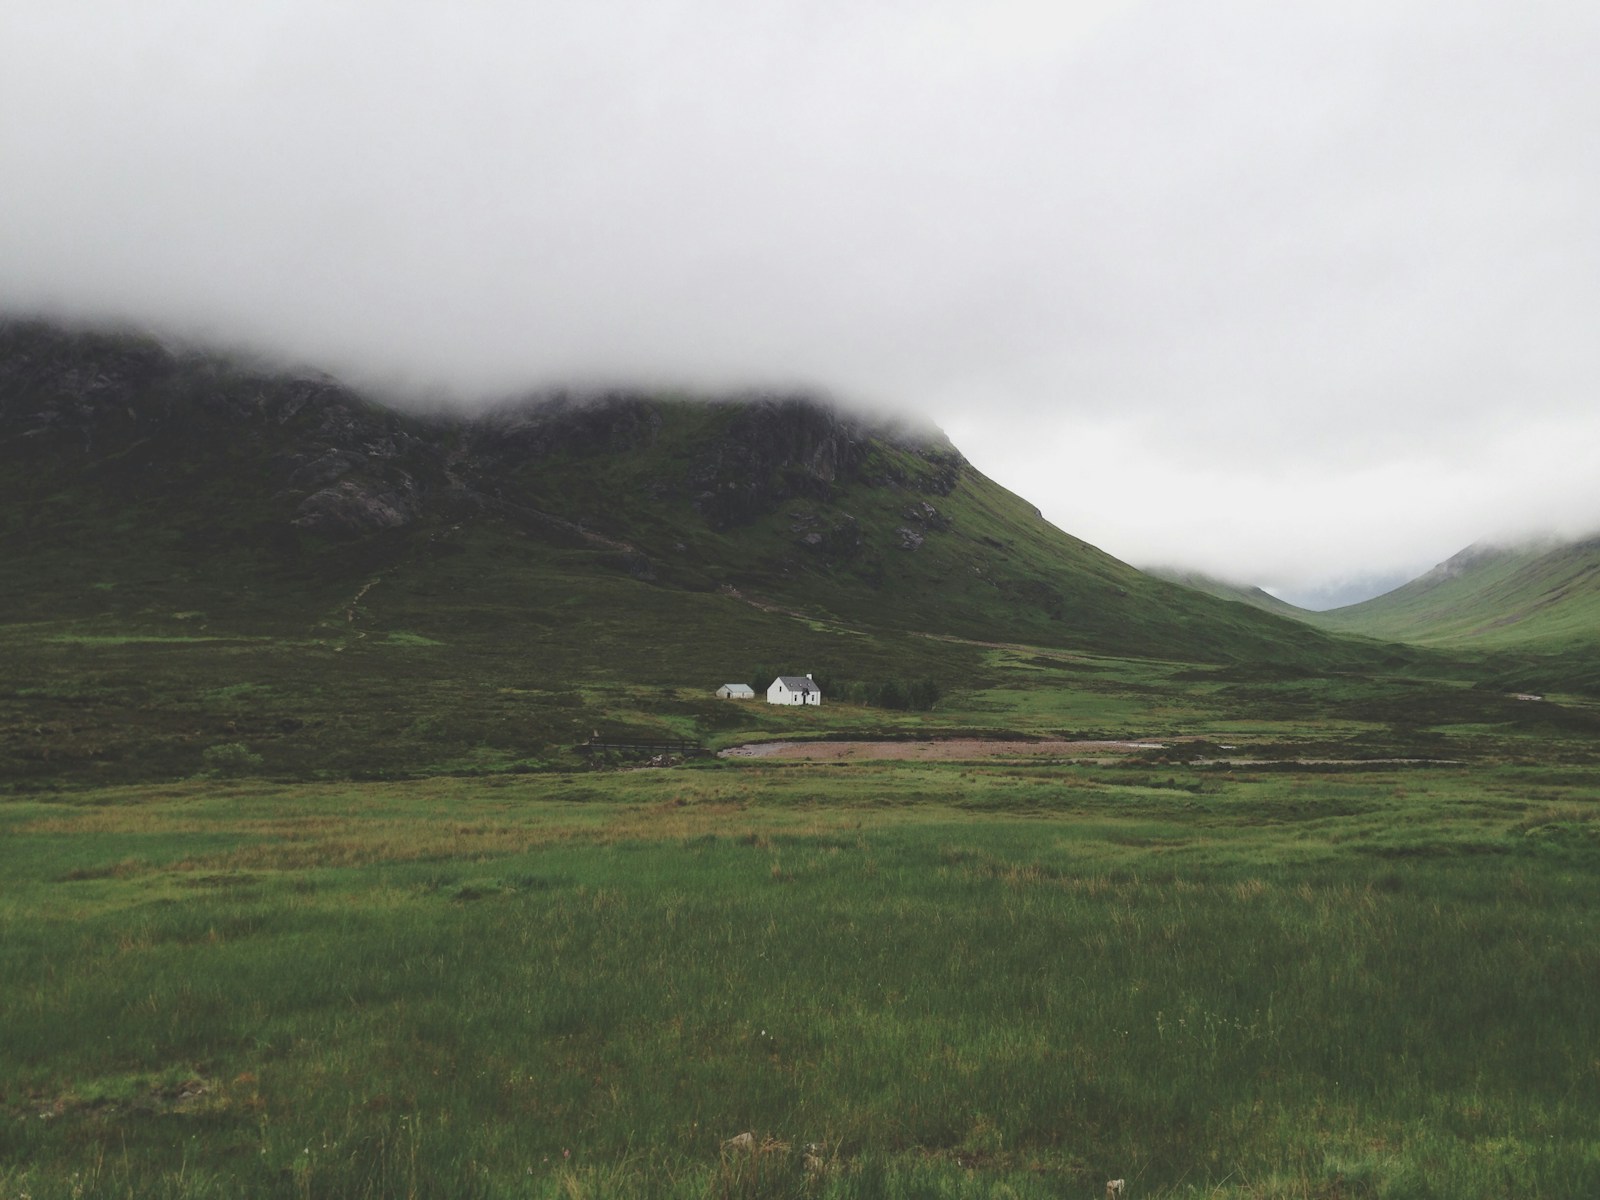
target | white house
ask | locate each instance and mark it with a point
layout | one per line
(794, 689)
(736, 691)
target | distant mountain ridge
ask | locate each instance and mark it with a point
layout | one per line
(1223, 589)
(1538, 595)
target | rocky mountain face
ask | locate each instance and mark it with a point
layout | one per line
(331, 461)
(776, 450)
(335, 463)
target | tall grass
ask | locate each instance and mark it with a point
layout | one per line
(517, 995)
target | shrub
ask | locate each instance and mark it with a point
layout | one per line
(230, 758)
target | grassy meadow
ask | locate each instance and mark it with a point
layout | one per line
(949, 979)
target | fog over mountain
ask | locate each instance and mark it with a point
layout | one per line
(1300, 295)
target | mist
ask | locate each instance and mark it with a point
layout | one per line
(1297, 295)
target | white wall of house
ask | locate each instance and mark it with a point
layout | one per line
(793, 689)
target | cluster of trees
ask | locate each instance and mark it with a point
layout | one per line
(918, 695)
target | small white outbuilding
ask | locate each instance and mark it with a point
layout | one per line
(794, 689)
(736, 691)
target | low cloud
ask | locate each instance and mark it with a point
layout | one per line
(1290, 293)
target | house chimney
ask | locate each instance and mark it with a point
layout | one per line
(808, 676)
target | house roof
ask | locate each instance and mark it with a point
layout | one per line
(799, 683)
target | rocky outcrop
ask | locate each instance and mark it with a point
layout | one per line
(331, 462)
(775, 450)
(771, 451)
(927, 516)
(538, 427)
(335, 463)
(352, 507)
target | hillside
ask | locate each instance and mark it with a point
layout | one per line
(1223, 589)
(1539, 596)
(134, 477)
(202, 553)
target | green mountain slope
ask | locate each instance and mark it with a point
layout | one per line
(209, 558)
(137, 477)
(1222, 589)
(1542, 597)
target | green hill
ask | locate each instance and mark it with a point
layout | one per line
(1222, 589)
(208, 551)
(1541, 596)
(1530, 613)
(138, 480)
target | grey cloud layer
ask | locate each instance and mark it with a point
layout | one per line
(1290, 292)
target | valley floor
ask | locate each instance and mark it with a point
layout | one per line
(900, 978)
(933, 749)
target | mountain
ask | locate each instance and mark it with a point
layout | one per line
(176, 472)
(1535, 596)
(205, 556)
(1223, 589)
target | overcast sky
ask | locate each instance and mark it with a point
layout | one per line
(1304, 294)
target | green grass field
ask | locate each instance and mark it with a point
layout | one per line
(946, 979)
